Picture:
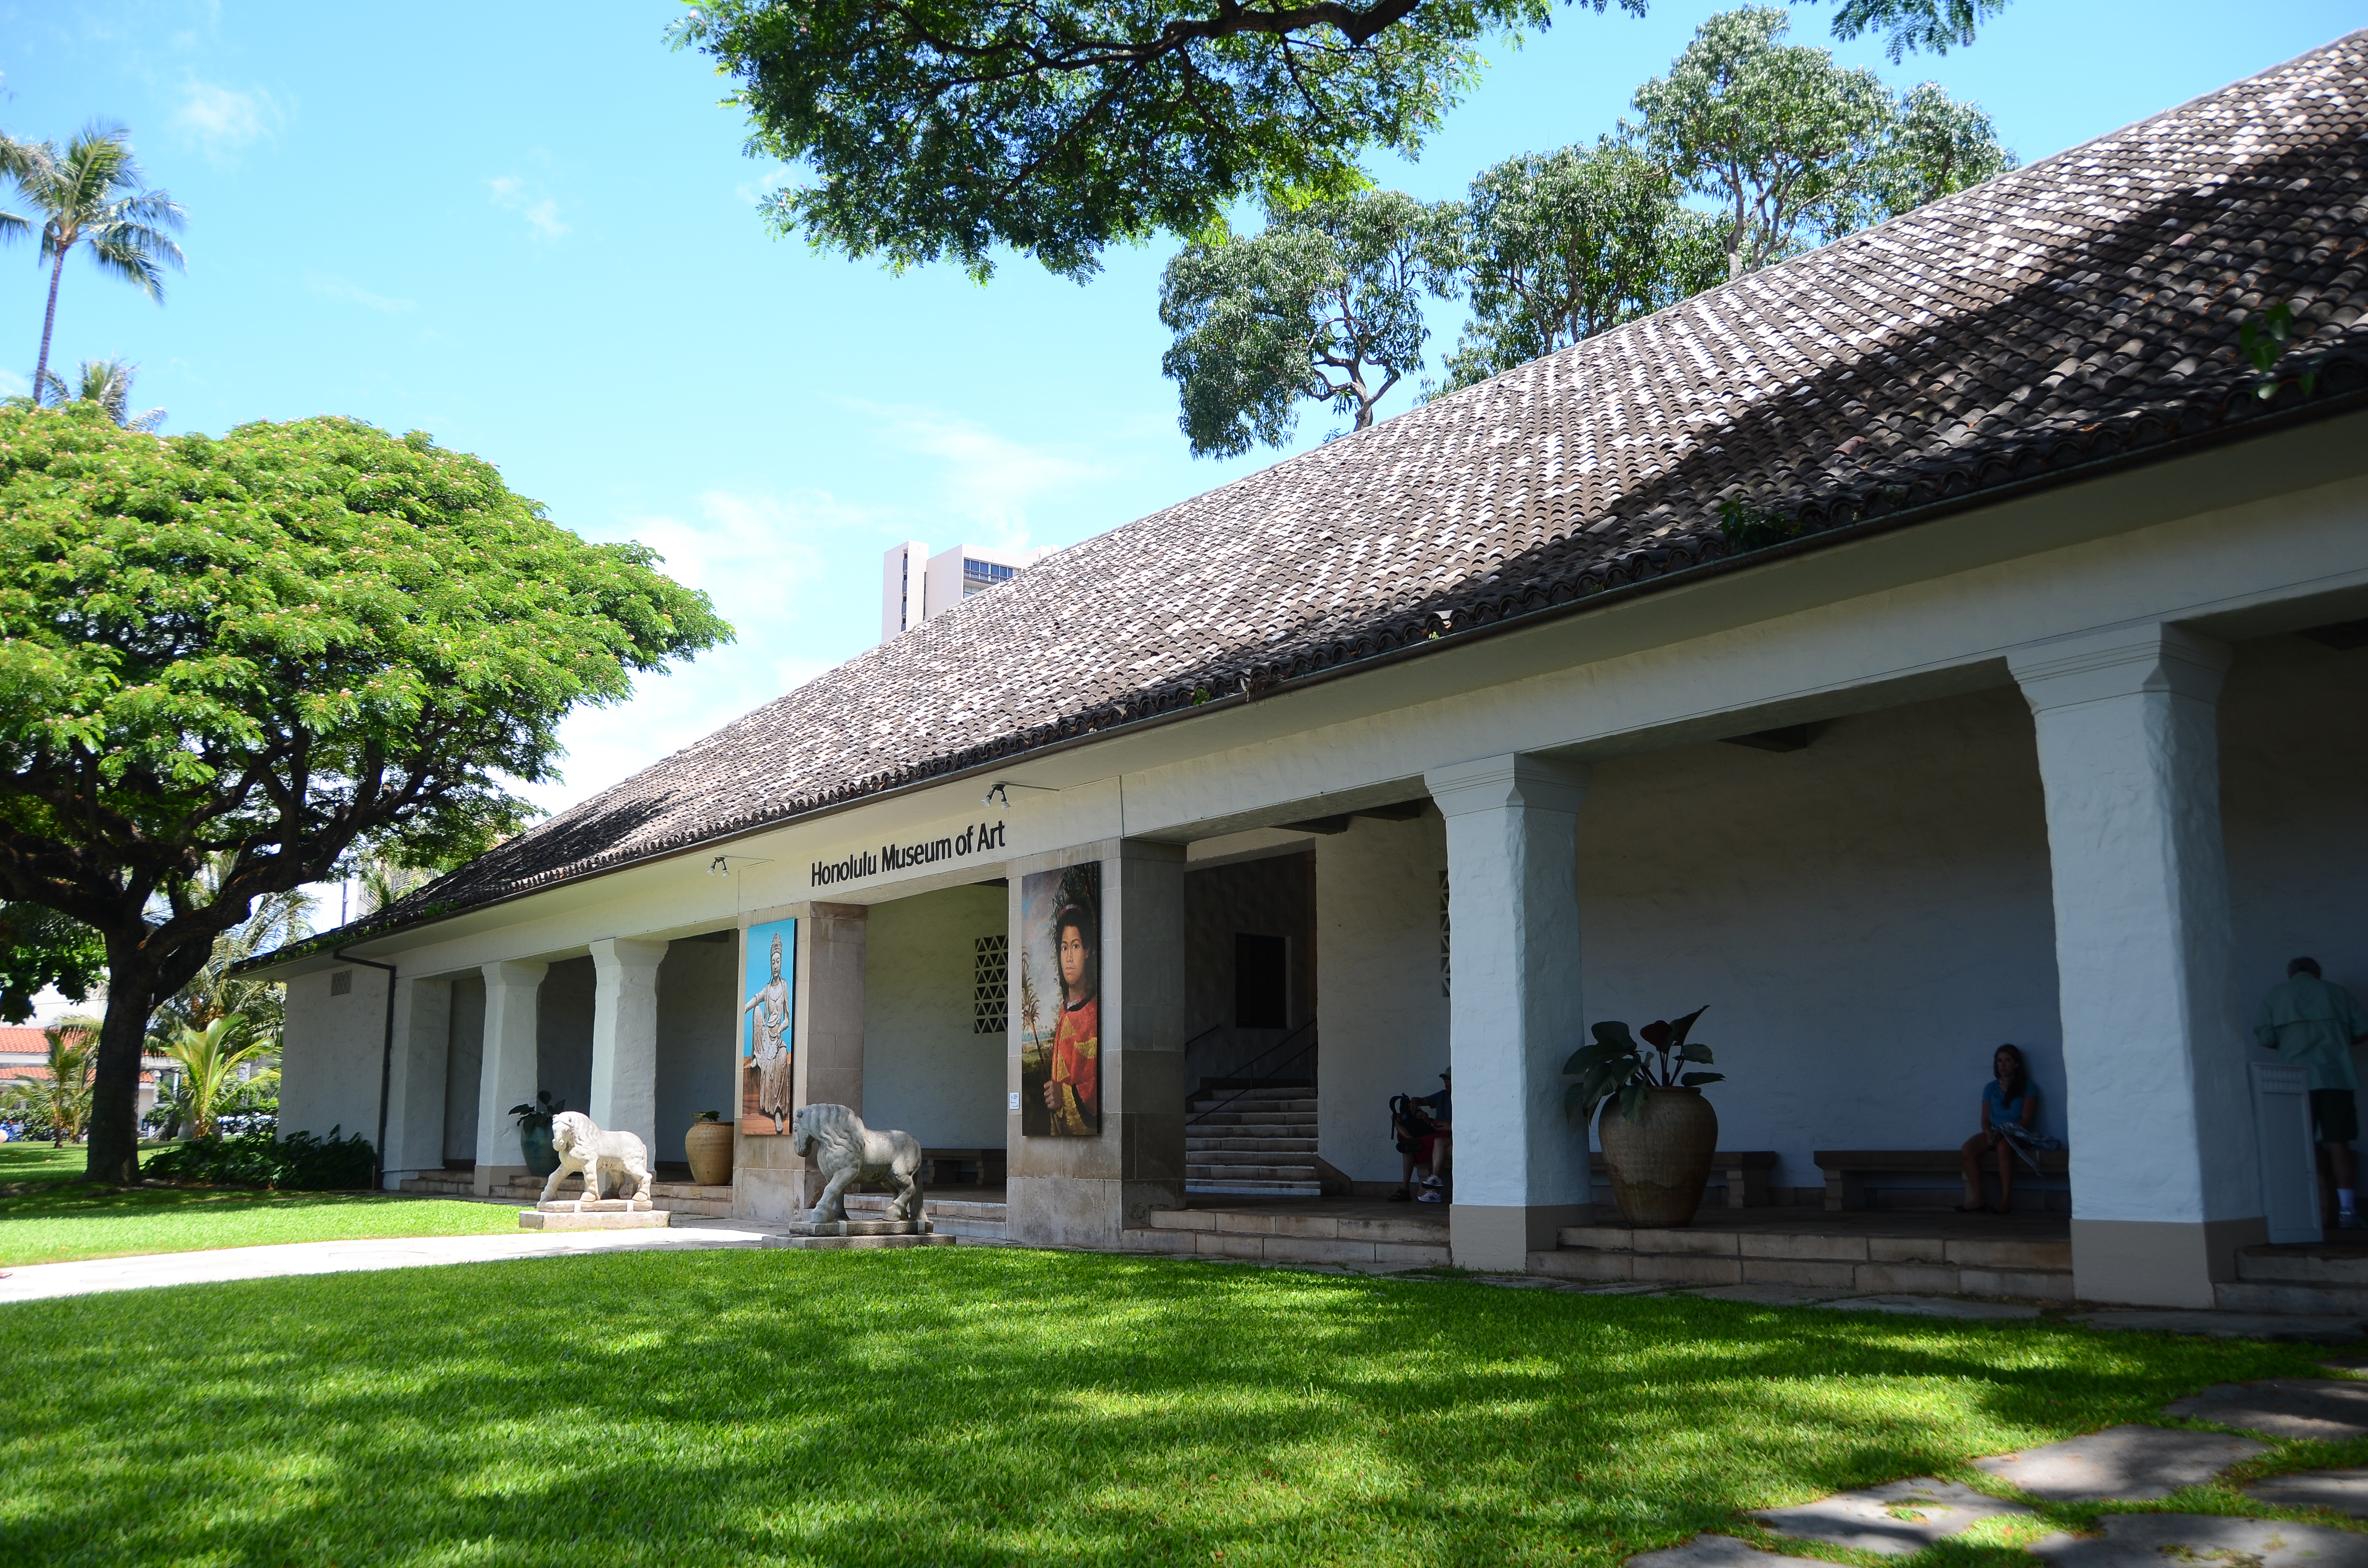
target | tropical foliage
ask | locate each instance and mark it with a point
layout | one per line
(220, 1073)
(1617, 1065)
(1056, 126)
(58, 1107)
(90, 195)
(248, 654)
(1323, 304)
(38, 948)
(300, 1162)
(107, 384)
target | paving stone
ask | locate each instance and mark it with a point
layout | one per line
(2129, 1465)
(1935, 1306)
(2331, 1410)
(1713, 1552)
(1763, 1295)
(2153, 1541)
(2344, 1491)
(1894, 1518)
(2306, 1328)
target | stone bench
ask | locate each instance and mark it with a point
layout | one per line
(1745, 1171)
(961, 1167)
(1846, 1170)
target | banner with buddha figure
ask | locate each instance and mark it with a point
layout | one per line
(768, 1090)
(1060, 1002)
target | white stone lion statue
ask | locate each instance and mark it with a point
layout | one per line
(605, 1159)
(833, 1140)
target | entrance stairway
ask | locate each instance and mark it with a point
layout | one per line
(1354, 1233)
(1260, 1144)
(2331, 1278)
(1808, 1250)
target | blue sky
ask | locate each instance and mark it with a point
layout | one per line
(528, 229)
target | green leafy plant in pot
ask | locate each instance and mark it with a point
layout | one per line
(534, 1133)
(1659, 1144)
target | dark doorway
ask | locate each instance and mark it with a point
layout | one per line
(1261, 982)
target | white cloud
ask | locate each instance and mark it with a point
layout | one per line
(12, 384)
(766, 181)
(989, 478)
(329, 286)
(530, 202)
(222, 120)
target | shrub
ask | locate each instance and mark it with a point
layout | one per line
(300, 1162)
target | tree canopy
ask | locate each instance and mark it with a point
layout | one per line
(1056, 126)
(247, 652)
(1323, 304)
(1553, 247)
(38, 948)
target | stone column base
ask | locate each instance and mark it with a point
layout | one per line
(1498, 1239)
(2150, 1263)
(1081, 1211)
(487, 1180)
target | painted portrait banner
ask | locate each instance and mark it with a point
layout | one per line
(767, 1088)
(1061, 1003)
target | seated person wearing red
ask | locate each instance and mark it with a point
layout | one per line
(1429, 1151)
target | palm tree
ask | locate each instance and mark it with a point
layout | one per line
(209, 1060)
(215, 992)
(62, 1101)
(91, 194)
(107, 382)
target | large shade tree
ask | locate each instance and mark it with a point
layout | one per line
(250, 653)
(38, 948)
(90, 195)
(1553, 248)
(1056, 127)
(1323, 305)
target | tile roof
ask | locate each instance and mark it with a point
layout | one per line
(2082, 308)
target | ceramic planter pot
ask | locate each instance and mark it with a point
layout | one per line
(707, 1145)
(534, 1143)
(1661, 1163)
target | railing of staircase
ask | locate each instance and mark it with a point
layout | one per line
(1255, 1077)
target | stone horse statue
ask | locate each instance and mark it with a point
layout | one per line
(834, 1141)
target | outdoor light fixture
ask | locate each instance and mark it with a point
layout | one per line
(724, 865)
(1003, 787)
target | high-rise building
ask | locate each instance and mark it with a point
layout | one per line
(916, 585)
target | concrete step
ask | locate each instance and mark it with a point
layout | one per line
(1253, 1145)
(2314, 1265)
(1302, 1126)
(1270, 1247)
(1228, 1187)
(1197, 1171)
(2247, 1295)
(1261, 1157)
(956, 1217)
(455, 1184)
(1219, 1105)
(2025, 1268)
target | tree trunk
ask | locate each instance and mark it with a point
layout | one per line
(49, 321)
(115, 1088)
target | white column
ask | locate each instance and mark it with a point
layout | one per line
(508, 1077)
(1520, 1166)
(2164, 1184)
(625, 1036)
(415, 1105)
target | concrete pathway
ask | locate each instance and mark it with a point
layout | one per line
(2120, 1464)
(43, 1281)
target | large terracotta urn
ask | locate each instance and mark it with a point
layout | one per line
(707, 1145)
(1661, 1163)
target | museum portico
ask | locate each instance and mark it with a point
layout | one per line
(1442, 743)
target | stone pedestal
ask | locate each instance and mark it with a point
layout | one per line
(594, 1214)
(809, 1226)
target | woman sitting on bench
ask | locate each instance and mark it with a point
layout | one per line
(2007, 1100)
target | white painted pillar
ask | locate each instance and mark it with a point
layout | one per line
(2164, 1185)
(1521, 1166)
(414, 1104)
(625, 1036)
(508, 1077)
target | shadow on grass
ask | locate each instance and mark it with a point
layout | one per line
(989, 1407)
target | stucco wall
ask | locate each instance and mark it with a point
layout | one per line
(1271, 896)
(462, 1065)
(1380, 1006)
(329, 1072)
(696, 988)
(562, 1035)
(2294, 782)
(924, 1068)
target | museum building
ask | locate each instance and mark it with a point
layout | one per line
(1957, 634)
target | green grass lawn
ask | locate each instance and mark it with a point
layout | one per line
(49, 1215)
(991, 1407)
